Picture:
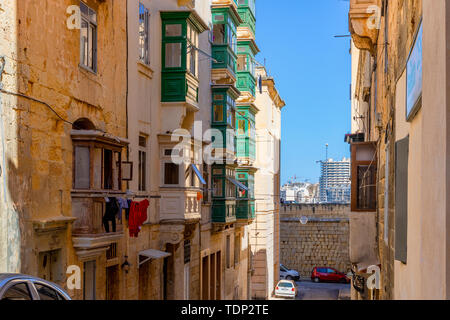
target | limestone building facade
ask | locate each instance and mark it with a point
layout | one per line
(400, 100)
(107, 104)
(265, 231)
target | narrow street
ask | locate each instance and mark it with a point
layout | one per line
(308, 290)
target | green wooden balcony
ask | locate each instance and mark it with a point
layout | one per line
(224, 58)
(223, 211)
(245, 148)
(246, 82)
(224, 194)
(248, 16)
(179, 70)
(245, 210)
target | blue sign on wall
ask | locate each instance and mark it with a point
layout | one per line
(414, 77)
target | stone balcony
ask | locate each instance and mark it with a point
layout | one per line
(180, 204)
(364, 23)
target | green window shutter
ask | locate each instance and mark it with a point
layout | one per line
(401, 199)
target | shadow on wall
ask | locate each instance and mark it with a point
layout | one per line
(259, 273)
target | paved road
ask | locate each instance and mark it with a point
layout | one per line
(308, 290)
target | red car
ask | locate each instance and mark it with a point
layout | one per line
(325, 274)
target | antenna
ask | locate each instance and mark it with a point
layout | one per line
(326, 152)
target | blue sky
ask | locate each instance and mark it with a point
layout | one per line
(312, 71)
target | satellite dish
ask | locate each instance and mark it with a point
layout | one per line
(304, 220)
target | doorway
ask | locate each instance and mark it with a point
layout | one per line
(112, 281)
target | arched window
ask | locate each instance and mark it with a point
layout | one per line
(83, 124)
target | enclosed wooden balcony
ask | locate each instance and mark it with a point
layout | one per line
(223, 211)
(247, 29)
(246, 150)
(245, 210)
(97, 174)
(364, 23)
(246, 84)
(224, 64)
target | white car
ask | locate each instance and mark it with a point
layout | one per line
(288, 274)
(286, 289)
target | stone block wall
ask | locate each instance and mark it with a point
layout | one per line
(323, 241)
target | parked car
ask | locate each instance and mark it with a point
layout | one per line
(326, 274)
(286, 288)
(288, 274)
(15, 286)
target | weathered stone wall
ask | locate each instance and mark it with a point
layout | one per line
(323, 241)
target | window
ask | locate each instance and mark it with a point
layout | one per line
(107, 169)
(285, 284)
(230, 189)
(237, 249)
(173, 55)
(192, 56)
(173, 30)
(89, 280)
(18, 291)
(142, 173)
(97, 165)
(82, 168)
(242, 63)
(171, 173)
(46, 293)
(218, 187)
(241, 127)
(88, 37)
(228, 248)
(219, 33)
(230, 116)
(364, 171)
(218, 113)
(144, 34)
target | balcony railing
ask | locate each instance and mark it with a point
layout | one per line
(181, 204)
(88, 209)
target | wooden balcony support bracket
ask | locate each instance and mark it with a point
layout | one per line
(364, 23)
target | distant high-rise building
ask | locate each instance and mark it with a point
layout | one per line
(334, 183)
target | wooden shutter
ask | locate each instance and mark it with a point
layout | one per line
(401, 199)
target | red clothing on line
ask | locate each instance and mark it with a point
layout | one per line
(137, 217)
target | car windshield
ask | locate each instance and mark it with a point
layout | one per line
(285, 284)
